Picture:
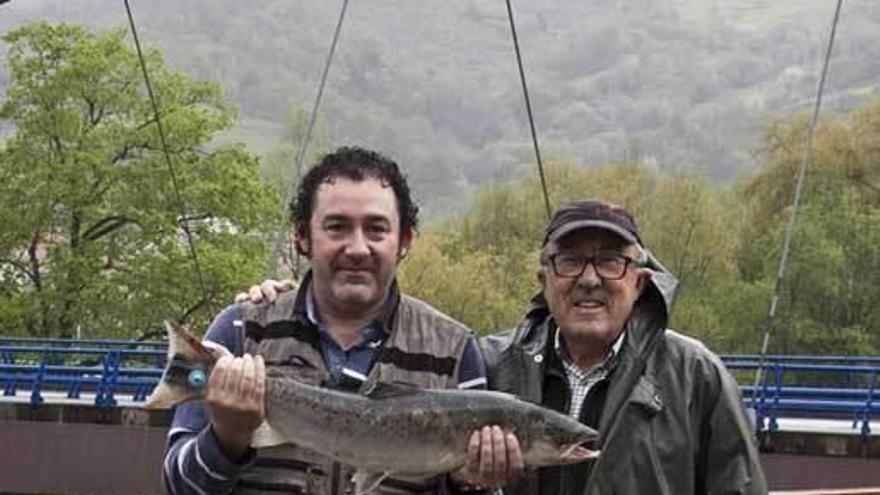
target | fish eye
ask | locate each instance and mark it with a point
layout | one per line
(197, 378)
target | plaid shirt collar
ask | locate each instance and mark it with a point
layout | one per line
(578, 375)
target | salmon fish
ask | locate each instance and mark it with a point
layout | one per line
(390, 429)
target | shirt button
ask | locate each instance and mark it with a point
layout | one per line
(539, 358)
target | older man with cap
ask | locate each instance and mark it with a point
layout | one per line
(594, 344)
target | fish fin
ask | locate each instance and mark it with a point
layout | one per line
(186, 354)
(165, 396)
(182, 342)
(380, 390)
(266, 436)
(367, 481)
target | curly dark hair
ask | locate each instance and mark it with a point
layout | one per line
(355, 163)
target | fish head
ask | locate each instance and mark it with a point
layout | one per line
(560, 440)
(190, 362)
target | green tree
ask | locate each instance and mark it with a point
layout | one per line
(829, 293)
(92, 236)
(469, 288)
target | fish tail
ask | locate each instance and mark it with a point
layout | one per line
(189, 364)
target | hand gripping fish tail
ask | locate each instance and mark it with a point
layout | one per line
(188, 367)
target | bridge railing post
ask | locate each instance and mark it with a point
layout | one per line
(37, 385)
(10, 383)
(99, 390)
(110, 373)
(75, 387)
(869, 405)
(778, 370)
(761, 404)
(9, 386)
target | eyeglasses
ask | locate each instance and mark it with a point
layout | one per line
(608, 266)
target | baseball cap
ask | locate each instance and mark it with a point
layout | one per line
(578, 215)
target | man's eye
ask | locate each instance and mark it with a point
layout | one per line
(611, 260)
(567, 261)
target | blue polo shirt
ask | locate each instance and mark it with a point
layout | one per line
(348, 367)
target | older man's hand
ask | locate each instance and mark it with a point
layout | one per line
(268, 291)
(494, 459)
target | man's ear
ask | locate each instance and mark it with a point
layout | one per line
(644, 278)
(542, 277)
(406, 239)
(303, 241)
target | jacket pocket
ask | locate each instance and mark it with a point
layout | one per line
(646, 396)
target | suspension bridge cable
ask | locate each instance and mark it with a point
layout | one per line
(183, 222)
(525, 88)
(301, 152)
(806, 158)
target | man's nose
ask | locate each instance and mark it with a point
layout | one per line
(358, 245)
(589, 277)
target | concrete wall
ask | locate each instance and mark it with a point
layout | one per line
(80, 458)
(78, 449)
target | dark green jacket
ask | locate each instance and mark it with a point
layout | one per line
(671, 422)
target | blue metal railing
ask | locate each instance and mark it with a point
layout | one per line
(805, 386)
(82, 342)
(791, 358)
(848, 388)
(104, 367)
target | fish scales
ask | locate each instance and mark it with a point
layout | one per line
(361, 431)
(402, 431)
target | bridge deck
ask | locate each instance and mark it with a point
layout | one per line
(831, 426)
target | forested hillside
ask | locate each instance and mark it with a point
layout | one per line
(671, 84)
(692, 114)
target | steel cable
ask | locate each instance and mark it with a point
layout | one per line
(181, 206)
(806, 158)
(525, 88)
(301, 152)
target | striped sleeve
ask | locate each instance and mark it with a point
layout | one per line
(194, 463)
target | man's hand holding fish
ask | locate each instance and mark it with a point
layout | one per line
(234, 400)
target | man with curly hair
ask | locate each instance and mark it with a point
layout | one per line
(346, 325)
